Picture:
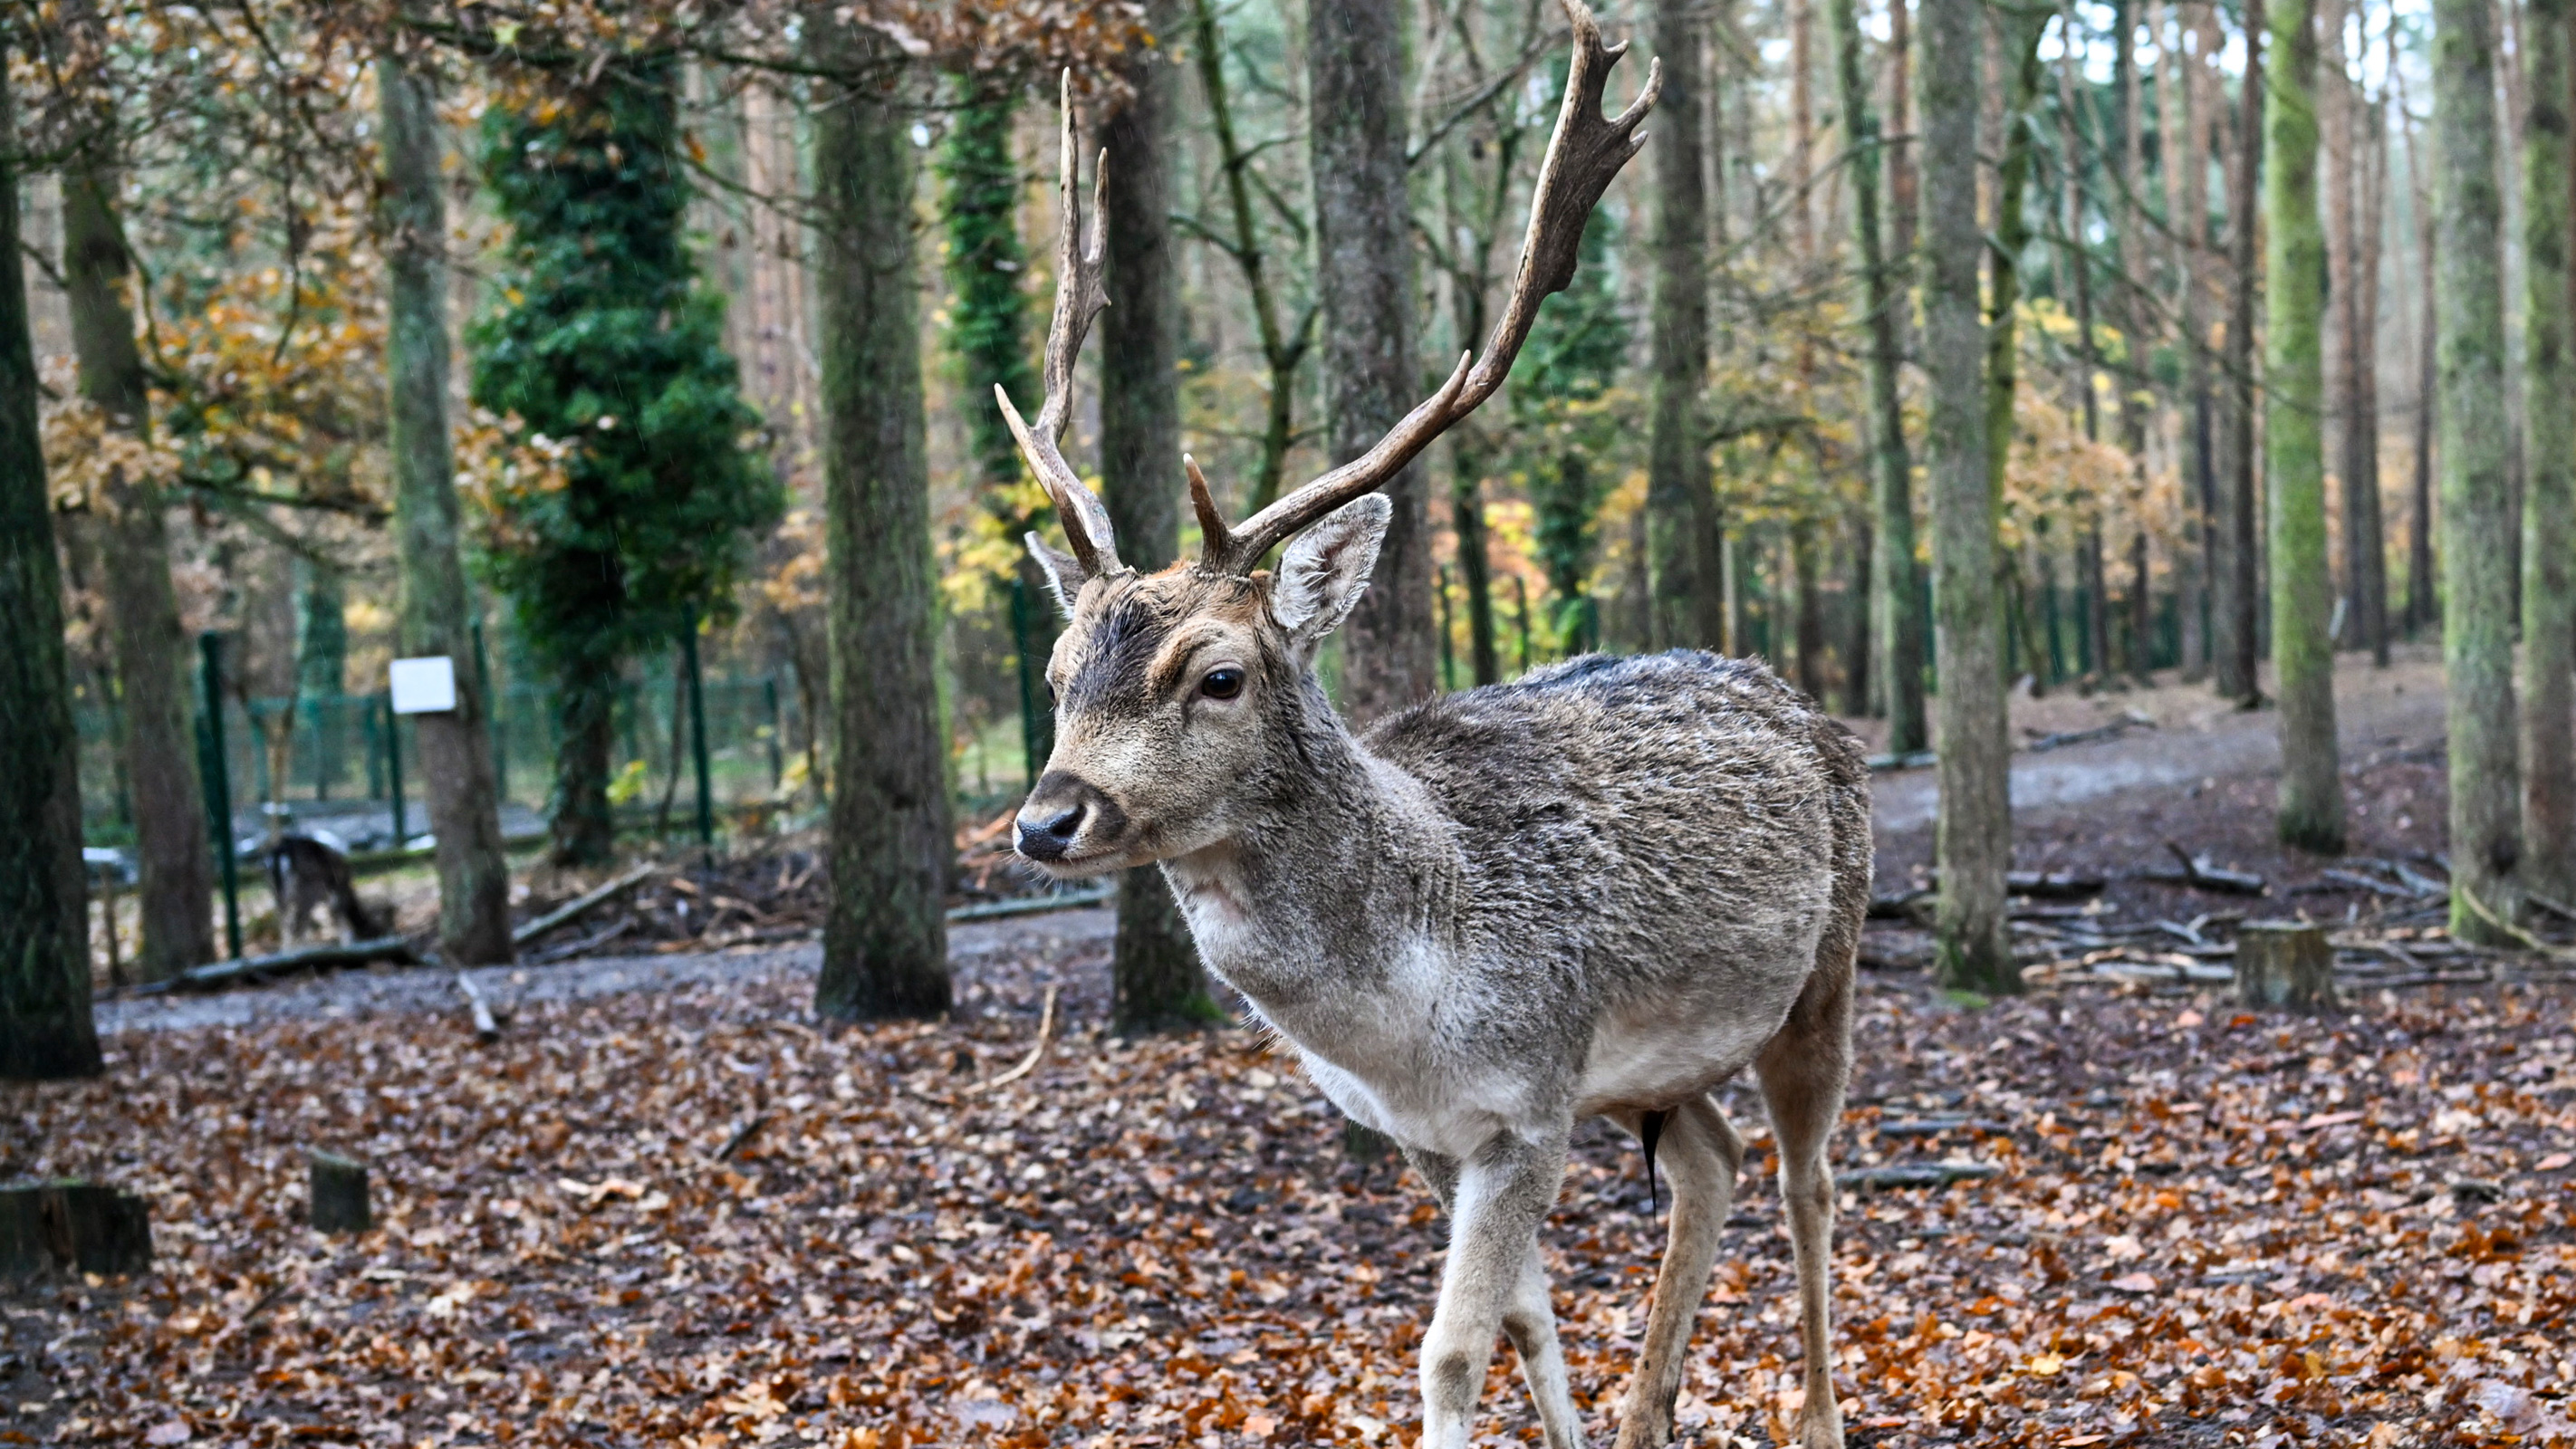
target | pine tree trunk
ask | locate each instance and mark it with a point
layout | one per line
(2549, 481)
(1681, 501)
(144, 628)
(45, 1025)
(1155, 979)
(1355, 60)
(455, 747)
(2311, 797)
(2233, 605)
(885, 940)
(1898, 592)
(2477, 506)
(1974, 836)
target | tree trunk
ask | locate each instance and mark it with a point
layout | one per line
(2477, 508)
(2374, 220)
(2234, 626)
(581, 829)
(2310, 813)
(2549, 478)
(2188, 203)
(45, 1025)
(885, 940)
(1355, 59)
(1681, 501)
(1155, 979)
(2078, 260)
(2012, 237)
(1898, 592)
(144, 628)
(455, 747)
(1974, 844)
(2138, 324)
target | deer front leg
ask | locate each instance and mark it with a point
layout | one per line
(1494, 1281)
(1703, 1155)
(1529, 1320)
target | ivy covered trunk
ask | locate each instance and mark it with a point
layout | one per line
(2476, 503)
(1355, 60)
(1685, 566)
(1156, 983)
(455, 747)
(45, 1026)
(885, 939)
(171, 831)
(1973, 841)
(1896, 593)
(609, 343)
(2310, 813)
(2549, 460)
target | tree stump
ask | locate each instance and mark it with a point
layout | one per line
(2284, 965)
(72, 1226)
(340, 1195)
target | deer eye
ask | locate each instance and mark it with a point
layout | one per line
(1222, 683)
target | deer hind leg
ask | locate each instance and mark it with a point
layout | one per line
(1494, 1281)
(1529, 1319)
(1701, 1154)
(1803, 1071)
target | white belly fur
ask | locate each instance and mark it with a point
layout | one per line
(1639, 1060)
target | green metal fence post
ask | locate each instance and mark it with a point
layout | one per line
(777, 734)
(218, 783)
(393, 769)
(698, 737)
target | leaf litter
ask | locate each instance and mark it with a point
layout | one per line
(691, 1217)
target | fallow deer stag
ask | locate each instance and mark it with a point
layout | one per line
(1598, 892)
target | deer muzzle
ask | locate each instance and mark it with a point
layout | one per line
(1066, 819)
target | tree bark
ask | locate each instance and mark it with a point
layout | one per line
(1155, 979)
(2549, 477)
(1355, 59)
(1897, 595)
(2340, 111)
(2012, 237)
(885, 939)
(2188, 203)
(455, 747)
(2310, 813)
(46, 1031)
(2091, 581)
(2137, 324)
(1974, 835)
(1689, 608)
(2236, 634)
(2423, 601)
(144, 628)
(2477, 506)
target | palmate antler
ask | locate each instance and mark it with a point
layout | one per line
(1585, 153)
(1079, 296)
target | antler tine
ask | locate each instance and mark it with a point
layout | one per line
(1583, 156)
(1080, 293)
(1215, 538)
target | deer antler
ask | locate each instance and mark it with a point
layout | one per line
(1079, 296)
(1582, 157)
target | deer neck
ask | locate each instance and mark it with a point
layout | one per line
(1345, 872)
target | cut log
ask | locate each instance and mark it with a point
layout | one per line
(2284, 965)
(580, 905)
(73, 1227)
(340, 1195)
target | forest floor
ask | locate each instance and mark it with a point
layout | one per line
(664, 1208)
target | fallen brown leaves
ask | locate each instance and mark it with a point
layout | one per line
(2204, 1229)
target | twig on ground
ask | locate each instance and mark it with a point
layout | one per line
(1029, 1063)
(2197, 871)
(741, 1137)
(580, 905)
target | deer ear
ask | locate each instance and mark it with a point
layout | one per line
(1065, 575)
(1326, 569)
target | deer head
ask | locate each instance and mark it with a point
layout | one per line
(1185, 697)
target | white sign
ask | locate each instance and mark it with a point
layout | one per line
(424, 686)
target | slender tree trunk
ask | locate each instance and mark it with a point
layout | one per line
(885, 949)
(2233, 612)
(46, 1030)
(2189, 202)
(144, 628)
(2477, 506)
(2374, 526)
(1681, 502)
(2012, 238)
(1898, 592)
(2137, 323)
(2423, 600)
(2096, 620)
(1281, 352)
(1974, 844)
(2311, 796)
(1810, 654)
(1155, 979)
(455, 747)
(1355, 61)
(1802, 125)
(2549, 479)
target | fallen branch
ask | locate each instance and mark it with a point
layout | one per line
(741, 1136)
(1030, 905)
(2525, 939)
(576, 946)
(1029, 1063)
(2197, 871)
(1917, 1174)
(222, 973)
(2131, 720)
(2563, 912)
(2363, 882)
(485, 1028)
(580, 905)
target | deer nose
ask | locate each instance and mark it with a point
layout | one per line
(1049, 837)
(1063, 808)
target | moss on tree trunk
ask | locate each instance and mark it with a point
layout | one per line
(2549, 479)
